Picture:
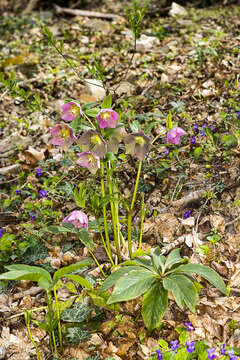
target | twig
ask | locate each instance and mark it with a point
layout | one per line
(33, 291)
(77, 12)
(172, 245)
(232, 221)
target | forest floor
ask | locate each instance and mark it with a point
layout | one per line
(192, 191)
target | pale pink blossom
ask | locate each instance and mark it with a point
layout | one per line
(70, 111)
(77, 218)
(89, 160)
(107, 118)
(174, 135)
(62, 135)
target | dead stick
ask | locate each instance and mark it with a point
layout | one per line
(78, 12)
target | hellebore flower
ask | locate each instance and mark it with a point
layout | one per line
(93, 141)
(211, 353)
(190, 346)
(62, 135)
(107, 118)
(115, 138)
(174, 135)
(137, 144)
(89, 160)
(77, 218)
(231, 355)
(189, 325)
(174, 344)
(159, 354)
(70, 111)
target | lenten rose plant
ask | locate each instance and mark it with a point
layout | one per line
(174, 135)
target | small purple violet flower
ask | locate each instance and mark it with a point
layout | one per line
(39, 172)
(195, 126)
(166, 153)
(192, 140)
(70, 111)
(89, 160)
(211, 127)
(202, 133)
(18, 192)
(189, 325)
(159, 354)
(211, 353)
(187, 214)
(32, 215)
(223, 349)
(1, 232)
(62, 135)
(174, 135)
(231, 355)
(190, 346)
(77, 218)
(43, 193)
(174, 344)
(107, 118)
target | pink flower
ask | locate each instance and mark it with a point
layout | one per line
(70, 111)
(89, 160)
(77, 218)
(107, 118)
(62, 135)
(174, 135)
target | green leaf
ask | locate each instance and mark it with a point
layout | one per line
(154, 305)
(169, 123)
(116, 275)
(173, 258)
(163, 344)
(197, 152)
(85, 238)
(30, 269)
(107, 102)
(78, 313)
(80, 280)
(92, 112)
(229, 141)
(100, 300)
(132, 285)
(158, 260)
(80, 195)
(76, 335)
(183, 290)
(145, 263)
(67, 269)
(207, 273)
(182, 354)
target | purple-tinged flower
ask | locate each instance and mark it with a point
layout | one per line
(192, 140)
(223, 349)
(115, 138)
(211, 353)
(187, 214)
(89, 160)
(238, 114)
(70, 111)
(77, 218)
(43, 193)
(1, 232)
(107, 118)
(137, 144)
(39, 172)
(159, 354)
(211, 127)
(202, 133)
(18, 192)
(190, 346)
(189, 325)
(195, 126)
(174, 135)
(32, 215)
(166, 153)
(94, 142)
(231, 355)
(62, 135)
(174, 344)
(2, 130)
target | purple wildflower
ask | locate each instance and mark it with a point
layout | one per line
(211, 127)
(202, 133)
(39, 172)
(159, 354)
(1, 232)
(211, 353)
(166, 153)
(231, 355)
(32, 216)
(189, 325)
(192, 140)
(187, 214)
(89, 160)
(174, 344)
(62, 135)
(2, 130)
(42, 193)
(174, 135)
(77, 218)
(238, 114)
(195, 126)
(190, 346)
(70, 111)
(18, 192)
(223, 349)
(107, 118)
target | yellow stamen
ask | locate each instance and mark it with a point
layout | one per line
(96, 140)
(75, 110)
(64, 133)
(105, 115)
(140, 140)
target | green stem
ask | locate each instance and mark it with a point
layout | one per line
(130, 211)
(31, 338)
(90, 122)
(54, 342)
(52, 339)
(104, 208)
(95, 259)
(103, 241)
(58, 317)
(142, 220)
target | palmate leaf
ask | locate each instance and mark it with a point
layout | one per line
(183, 290)
(154, 305)
(132, 285)
(207, 273)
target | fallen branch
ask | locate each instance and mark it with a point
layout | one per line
(32, 291)
(77, 12)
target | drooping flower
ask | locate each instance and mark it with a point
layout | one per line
(42, 194)
(107, 118)
(174, 344)
(77, 218)
(137, 144)
(174, 135)
(115, 138)
(231, 355)
(211, 353)
(89, 160)
(189, 325)
(70, 111)
(159, 354)
(190, 346)
(62, 135)
(94, 142)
